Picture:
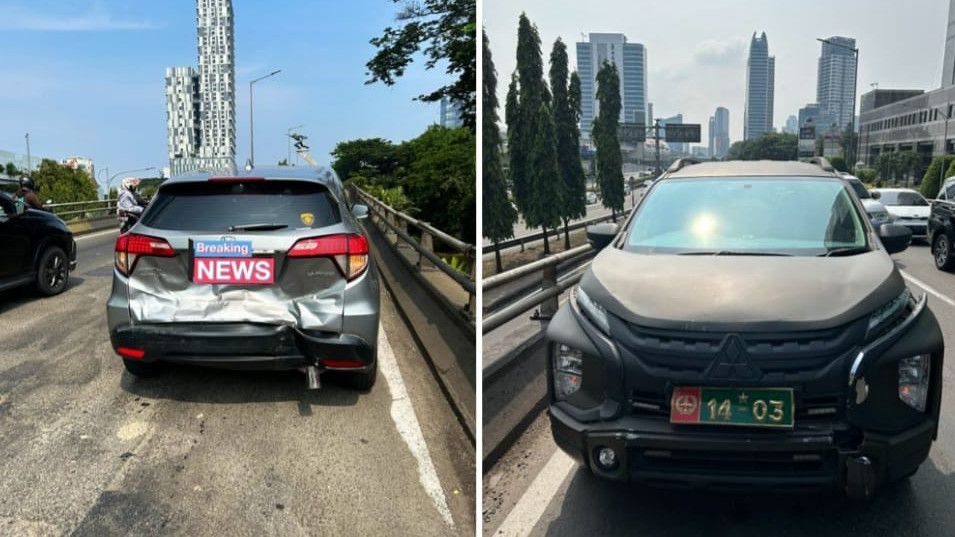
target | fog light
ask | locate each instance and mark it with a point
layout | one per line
(568, 371)
(913, 381)
(606, 458)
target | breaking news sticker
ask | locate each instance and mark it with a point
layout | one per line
(210, 248)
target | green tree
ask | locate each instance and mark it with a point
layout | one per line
(11, 170)
(572, 185)
(932, 180)
(609, 159)
(444, 31)
(770, 146)
(838, 163)
(369, 157)
(498, 214)
(533, 153)
(63, 184)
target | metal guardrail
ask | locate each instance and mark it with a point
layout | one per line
(84, 210)
(552, 233)
(397, 223)
(546, 297)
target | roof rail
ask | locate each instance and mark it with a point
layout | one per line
(681, 163)
(823, 163)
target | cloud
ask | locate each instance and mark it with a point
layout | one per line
(96, 20)
(713, 52)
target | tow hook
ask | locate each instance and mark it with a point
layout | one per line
(311, 377)
(860, 478)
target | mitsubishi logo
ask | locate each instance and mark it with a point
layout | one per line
(732, 361)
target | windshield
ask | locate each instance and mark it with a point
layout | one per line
(755, 216)
(905, 197)
(262, 205)
(859, 188)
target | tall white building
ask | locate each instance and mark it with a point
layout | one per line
(760, 89)
(200, 105)
(835, 80)
(631, 62)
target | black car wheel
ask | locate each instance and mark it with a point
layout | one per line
(141, 369)
(942, 252)
(53, 272)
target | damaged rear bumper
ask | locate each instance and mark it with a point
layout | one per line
(244, 346)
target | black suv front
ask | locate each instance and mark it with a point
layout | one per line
(746, 329)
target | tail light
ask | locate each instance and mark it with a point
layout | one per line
(350, 252)
(130, 246)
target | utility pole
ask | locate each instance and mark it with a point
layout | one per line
(251, 127)
(656, 139)
(29, 161)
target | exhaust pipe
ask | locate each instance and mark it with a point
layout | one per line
(311, 377)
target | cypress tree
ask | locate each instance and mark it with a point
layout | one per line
(572, 184)
(499, 215)
(531, 136)
(609, 160)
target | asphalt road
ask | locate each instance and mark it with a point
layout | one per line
(537, 490)
(86, 449)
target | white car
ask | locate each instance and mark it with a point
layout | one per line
(907, 207)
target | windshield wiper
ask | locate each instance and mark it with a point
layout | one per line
(257, 227)
(736, 252)
(845, 250)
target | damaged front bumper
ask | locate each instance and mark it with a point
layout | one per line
(244, 345)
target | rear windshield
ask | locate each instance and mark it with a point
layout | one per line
(218, 206)
(902, 198)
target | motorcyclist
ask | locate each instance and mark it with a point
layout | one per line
(130, 205)
(26, 195)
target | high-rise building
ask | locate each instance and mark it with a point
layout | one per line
(835, 81)
(676, 147)
(948, 64)
(200, 105)
(760, 89)
(792, 125)
(631, 62)
(183, 134)
(450, 114)
(719, 133)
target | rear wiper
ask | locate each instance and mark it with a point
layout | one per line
(846, 250)
(257, 227)
(735, 252)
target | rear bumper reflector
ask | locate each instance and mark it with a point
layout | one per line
(126, 352)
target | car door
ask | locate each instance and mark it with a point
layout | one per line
(14, 241)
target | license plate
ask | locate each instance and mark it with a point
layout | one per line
(745, 407)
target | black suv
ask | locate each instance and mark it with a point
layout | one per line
(37, 248)
(941, 226)
(746, 329)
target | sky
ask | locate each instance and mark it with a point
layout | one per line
(697, 49)
(86, 77)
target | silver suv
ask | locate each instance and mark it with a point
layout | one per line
(266, 269)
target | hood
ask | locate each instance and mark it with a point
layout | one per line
(741, 293)
(909, 211)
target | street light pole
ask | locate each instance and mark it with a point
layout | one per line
(29, 161)
(251, 126)
(288, 136)
(110, 180)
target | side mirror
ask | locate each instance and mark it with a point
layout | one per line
(601, 235)
(359, 211)
(894, 237)
(875, 195)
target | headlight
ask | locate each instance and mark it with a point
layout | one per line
(593, 311)
(568, 371)
(913, 381)
(888, 311)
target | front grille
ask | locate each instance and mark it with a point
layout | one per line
(735, 463)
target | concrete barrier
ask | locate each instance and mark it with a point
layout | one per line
(82, 227)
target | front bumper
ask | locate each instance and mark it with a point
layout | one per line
(919, 228)
(242, 345)
(859, 443)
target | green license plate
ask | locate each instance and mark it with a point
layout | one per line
(745, 407)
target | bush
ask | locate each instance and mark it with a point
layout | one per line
(838, 163)
(866, 175)
(932, 180)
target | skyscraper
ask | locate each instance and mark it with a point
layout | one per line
(948, 64)
(631, 62)
(792, 125)
(719, 133)
(450, 114)
(760, 89)
(673, 120)
(200, 106)
(835, 80)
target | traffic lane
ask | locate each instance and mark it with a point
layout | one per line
(87, 448)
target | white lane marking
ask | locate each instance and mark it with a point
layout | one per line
(97, 234)
(402, 413)
(928, 288)
(525, 515)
